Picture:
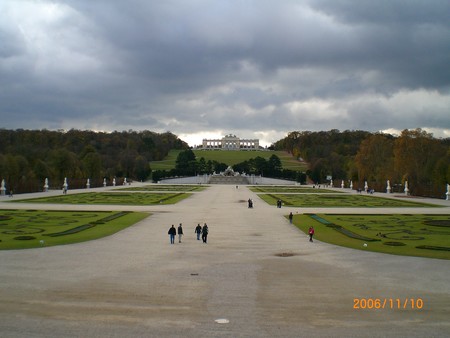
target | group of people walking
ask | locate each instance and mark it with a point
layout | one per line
(203, 231)
(199, 230)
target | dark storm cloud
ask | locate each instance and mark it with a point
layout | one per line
(198, 66)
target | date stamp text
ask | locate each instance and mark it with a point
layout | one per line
(388, 303)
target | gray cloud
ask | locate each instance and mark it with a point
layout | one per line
(193, 67)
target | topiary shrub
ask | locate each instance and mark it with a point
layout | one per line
(431, 247)
(24, 238)
(394, 243)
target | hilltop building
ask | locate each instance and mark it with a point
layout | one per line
(230, 142)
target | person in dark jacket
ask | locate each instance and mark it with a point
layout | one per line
(205, 232)
(172, 233)
(180, 233)
(198, 231)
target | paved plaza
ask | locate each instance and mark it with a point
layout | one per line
(258, 276)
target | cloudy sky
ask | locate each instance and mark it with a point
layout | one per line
(204, 68)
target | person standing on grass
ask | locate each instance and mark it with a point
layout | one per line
(180, 233)
(198, 231)
(311, 233)
(172, 233)
(205, 232)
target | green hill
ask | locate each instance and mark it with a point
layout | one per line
(231, 158)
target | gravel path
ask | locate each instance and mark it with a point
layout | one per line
(135, 284)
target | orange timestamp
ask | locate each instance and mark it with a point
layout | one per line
(388, 303)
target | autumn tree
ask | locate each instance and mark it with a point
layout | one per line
(415, 153)
(142, 168)
(64, 163)
(374, 160)
(92, 162)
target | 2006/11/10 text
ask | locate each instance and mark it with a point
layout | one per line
(387, 303)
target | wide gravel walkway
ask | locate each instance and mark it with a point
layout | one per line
(135, 284)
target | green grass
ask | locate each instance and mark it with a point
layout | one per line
(167, 187)
(168, 162)
(290, 189)
(25, 229)
(392, 234)
(114, 198)
(338, 200)
(231, 158)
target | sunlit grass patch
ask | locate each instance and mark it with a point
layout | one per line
(339, 200)
(167, 187)
(114, 198)
(290, 189)
(24, 229)
(409, 235)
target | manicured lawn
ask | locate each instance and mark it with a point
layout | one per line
(410, 235)
(167, 187)
(290, 189)
(167, 163)
(115, 198)
(338, 200)
(231, 158)
(24, 229)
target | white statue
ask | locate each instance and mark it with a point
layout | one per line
(351, 185)
(447, 193)
(366, 187)
(331, 183)
(406, 188)
(3, 188)
(342, 184)
(65, 186)
(125, 181)
(114, 182)
(46, 185)
(104, 182)
(88, 183)
(388, 188)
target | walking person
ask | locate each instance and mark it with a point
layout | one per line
(250, 203)
(311, 233)
(180, 233)
(291, 216)
(198, 231)
(172, 232)
(205, 233)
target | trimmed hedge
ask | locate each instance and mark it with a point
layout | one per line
(431, 247)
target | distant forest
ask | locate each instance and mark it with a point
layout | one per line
(27, 157)
(414, 156)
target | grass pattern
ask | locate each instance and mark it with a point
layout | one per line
(401, 234)
(24, 229)
(339, 200)
(114, 198)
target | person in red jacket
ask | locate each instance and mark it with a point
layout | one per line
(311, 233)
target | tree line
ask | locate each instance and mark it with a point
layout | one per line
(27, 157)
(358, 156)
(188, 165)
